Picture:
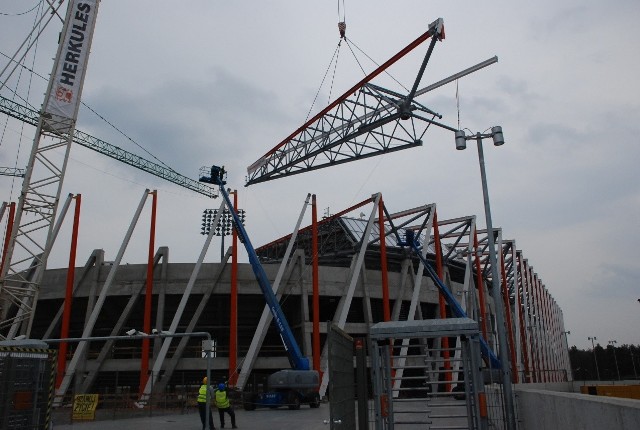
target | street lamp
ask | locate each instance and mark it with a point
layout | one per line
(498, 140)
(612, 343)
(594, 355)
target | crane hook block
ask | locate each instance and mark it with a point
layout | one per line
(342, 27)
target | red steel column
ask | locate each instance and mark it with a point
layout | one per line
(535, 362)
(144, 361)
(540, 344)
(386, 309)
(442, 303)
(7, 238)
(507, 308)
(521, 310)
(480, 285)
(316, 290)
(68, 296)
(233, 314)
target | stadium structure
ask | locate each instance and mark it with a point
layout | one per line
(354, 285)
(351, 271)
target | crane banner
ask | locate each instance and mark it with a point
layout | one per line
(63, 99)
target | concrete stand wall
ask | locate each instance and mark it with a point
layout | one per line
(550, 410)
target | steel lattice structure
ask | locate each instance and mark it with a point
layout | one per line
(367, 120)
(30, 116)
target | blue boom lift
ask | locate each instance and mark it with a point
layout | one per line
(289, 387)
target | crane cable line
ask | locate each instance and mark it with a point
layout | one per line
(22, 13)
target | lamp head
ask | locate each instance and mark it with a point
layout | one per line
(461, 140)
(498, 137)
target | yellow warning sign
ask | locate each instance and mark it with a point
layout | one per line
(84, 406)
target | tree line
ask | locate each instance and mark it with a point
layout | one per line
(614, 362)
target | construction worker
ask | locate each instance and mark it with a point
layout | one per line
(202, 404)
(223, 405)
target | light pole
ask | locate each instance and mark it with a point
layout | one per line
(615, 359)
(498, 140)
(594, 355)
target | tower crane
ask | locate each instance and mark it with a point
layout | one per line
(32, 236)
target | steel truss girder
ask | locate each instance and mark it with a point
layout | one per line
(360, 127)
(365, 121)
(30, 116)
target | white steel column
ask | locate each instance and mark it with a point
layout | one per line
(415, 301)
(345, 301)
(266, 317)
(82, 346)
(159, 360)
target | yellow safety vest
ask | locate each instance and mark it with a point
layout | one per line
(202, 394)
(222, 401)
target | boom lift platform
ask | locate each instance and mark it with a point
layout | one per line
(289, 387)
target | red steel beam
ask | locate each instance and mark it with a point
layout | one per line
(523, 334)
(480, 285)
(441, 300)
(507, 308)
(324, 220)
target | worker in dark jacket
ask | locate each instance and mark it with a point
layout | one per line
(224, 405)
(202, 404)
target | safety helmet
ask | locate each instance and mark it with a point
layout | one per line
(204, 380)
(220, 386)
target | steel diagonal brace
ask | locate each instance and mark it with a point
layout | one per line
(455, 307)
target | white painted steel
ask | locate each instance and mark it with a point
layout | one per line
(266, 317)
(88, 328)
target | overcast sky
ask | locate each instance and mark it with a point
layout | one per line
(209, 82)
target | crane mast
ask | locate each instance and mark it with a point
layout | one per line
(30, 241)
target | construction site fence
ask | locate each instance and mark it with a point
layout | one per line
(114, 406)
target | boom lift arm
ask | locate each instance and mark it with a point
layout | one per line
(297, 360)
